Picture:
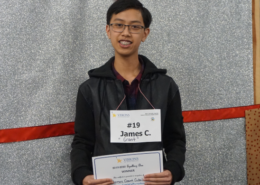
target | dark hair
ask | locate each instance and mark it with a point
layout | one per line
(122, 5)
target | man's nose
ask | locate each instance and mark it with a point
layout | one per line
(126, 31)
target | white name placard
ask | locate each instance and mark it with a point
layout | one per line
(127, 168)
(135, 126)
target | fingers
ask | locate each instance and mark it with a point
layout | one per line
(100, 181)
(157, 183)
(97, 182)
(165, 173)
(158, 178)
(164, 180)
(107, 183)
(89, 180)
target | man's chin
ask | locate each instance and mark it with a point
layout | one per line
(126, 55)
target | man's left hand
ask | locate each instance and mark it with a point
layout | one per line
(162, 178)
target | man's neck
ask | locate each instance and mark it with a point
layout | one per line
(127, 67)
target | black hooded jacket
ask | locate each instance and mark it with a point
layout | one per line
(104, 92)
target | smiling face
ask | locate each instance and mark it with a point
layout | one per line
(125, 43)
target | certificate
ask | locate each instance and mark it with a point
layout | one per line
(127, 168)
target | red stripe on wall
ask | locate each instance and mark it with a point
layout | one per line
(37, 132)
(216, 114)
(61, 129)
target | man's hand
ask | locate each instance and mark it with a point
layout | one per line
(162, 178)
(89, 180)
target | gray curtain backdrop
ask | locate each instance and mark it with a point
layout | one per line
(48, 46)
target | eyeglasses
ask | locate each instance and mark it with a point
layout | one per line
(116, 27)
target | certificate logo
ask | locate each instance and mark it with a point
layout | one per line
(119, 160)
(152, 118)
(114, 115)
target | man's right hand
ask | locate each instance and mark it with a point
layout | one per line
(89, 180)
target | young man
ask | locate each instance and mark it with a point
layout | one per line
(128, 81)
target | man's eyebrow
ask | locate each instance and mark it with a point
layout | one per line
(117, 19)
(135, 21)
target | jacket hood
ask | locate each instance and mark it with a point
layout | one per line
(105, 71)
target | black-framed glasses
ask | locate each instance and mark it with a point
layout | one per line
(117, 27)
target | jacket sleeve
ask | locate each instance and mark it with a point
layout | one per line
(174, 141)
(83, 142)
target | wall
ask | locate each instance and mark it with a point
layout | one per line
(48, 46)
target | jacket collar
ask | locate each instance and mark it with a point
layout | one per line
(105, 71)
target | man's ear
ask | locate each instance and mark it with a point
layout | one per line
(108, 31)
(146, 33)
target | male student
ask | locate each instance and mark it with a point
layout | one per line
(128, 81)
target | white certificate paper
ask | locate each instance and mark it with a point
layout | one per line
(127, 168)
